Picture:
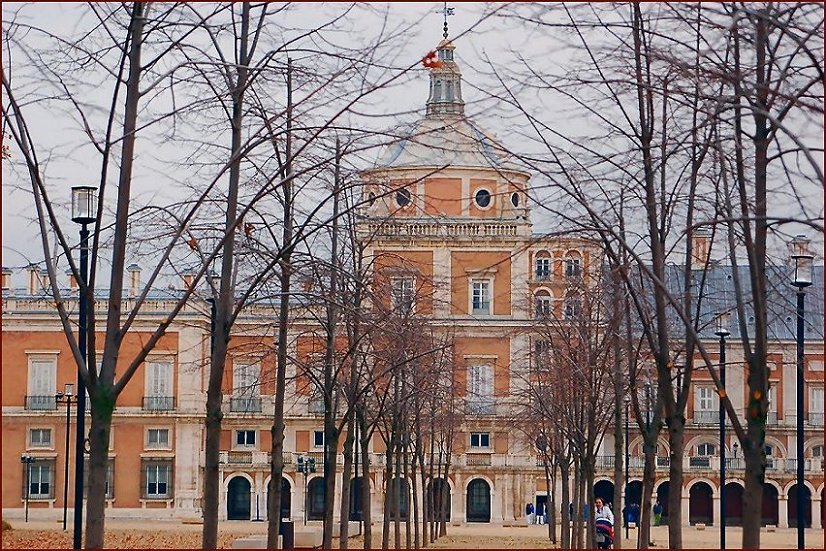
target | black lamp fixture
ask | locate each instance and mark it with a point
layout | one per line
(27, 460)
(66, 396)
(84, 204)
(801, 278)
(722, 331)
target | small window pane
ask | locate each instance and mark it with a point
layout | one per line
(40, 438)
(318, 438)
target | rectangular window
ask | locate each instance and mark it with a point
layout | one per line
(480, 440)
(542, 304)
(542, 354)
(246, 378)
(158, 394)
(40, 438)
(481, 296)
(480, 389)
(573, 267)
(318, 438)
(157, 479)
(42, 383)
(41, 476)
(573, 307)
(816, 400)
(542, 268)
(245, 438)
(402, 294)
(157, 438)
(109, 484)
(705, 398)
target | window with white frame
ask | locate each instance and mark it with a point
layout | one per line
(245, 379)
(157, 438)
(245, 438)
(158, 395)
(318, 438)
(402, 294)
(42, 383)
(542, 268)
(481, 296)
(480, 440)
(573, 267)
(40, 438)
(542, 304)
(157, 478)
(817, 451)
(41, 479)
(816, 405)
(573, 307)
(480, 389)
(706, 449)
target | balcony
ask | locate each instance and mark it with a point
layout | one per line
(244, 404)
(811, 464)
(252, 458)
(735, 464)
(478, 460)
(816, 419)
(158, 403)
(702, 462)
(315, 405)
(706, 417)
(41, 403)
(663, 462)
(480, 406)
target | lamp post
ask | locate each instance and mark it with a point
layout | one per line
(627, 508)
(722, 332)
(66, 396)
(801, 279)
(84, 212)
(305, 465)
(27, 460)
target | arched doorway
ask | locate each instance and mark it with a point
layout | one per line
(478, 501)
(807, 506)
(438, 499)
(401, 486)
(770, 512)
(286, 498)
(356, 509)
(238, 498)
(734, 504)
(604, 489)
(700, 504)
(662, 496)
(315, 499)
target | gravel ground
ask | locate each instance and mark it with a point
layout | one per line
(173, 535)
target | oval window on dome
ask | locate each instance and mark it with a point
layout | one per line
(483, 198)
(403, 197)
(515, 199)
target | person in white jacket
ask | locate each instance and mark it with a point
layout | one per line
(601, 510)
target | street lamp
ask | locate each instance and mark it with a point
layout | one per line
(305, 465)
(626, 508)
(801, 279)
(84, 212)
(722, 332)
(66, 396)
(27, 460)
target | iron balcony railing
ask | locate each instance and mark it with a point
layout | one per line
(245, 404)
(706, 417)
(158, 403)
(41, 403)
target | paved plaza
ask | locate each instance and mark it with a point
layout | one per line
(167, 534)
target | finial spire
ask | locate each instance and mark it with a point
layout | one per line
(446, 11)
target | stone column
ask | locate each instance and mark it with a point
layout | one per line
(816, 514)
(783, 511)
(715, 509)
(685, 503)
(458, 513)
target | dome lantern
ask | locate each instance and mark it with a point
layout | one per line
(445, 84)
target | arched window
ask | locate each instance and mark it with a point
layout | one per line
(542, 304)
(542, 266)
(449, 91)
(573, 307)
(573, 267)
(437, 90)
(706, 450)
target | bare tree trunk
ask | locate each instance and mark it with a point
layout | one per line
(346, 487)
(676, 443)
(366, 506)
(99, 434)
(578, 506)
(647, 491)
(277, 450)
(565, 536)
(388, 495)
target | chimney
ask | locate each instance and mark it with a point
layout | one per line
(700, 249)
(189, 277)
(73, 286)
(44, 279)
(33, 285)
(7, 279)
(134, 279)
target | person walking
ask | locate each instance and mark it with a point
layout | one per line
(658, 513)
(529, 513)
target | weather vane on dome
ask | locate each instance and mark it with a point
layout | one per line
(447, 11)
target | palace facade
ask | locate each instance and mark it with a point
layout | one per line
(446, 211)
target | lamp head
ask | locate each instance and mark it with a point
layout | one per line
(803, 261)
(722, 323)
(84, 204)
